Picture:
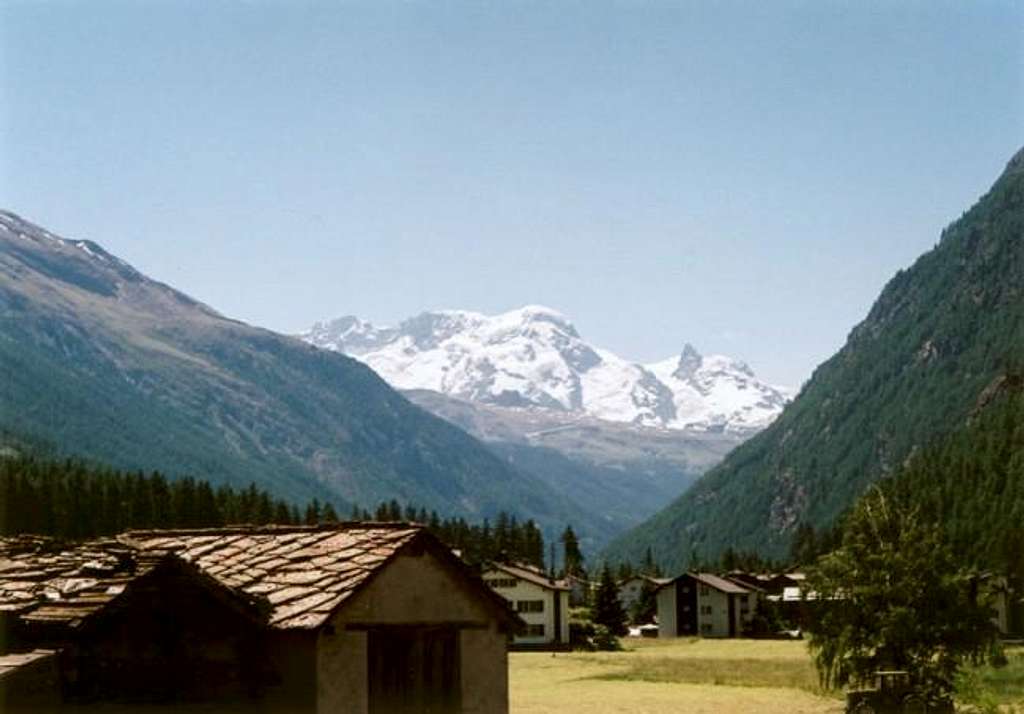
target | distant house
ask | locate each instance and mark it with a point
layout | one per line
(580, 589)
(704, 605)
(367, 618)
(541, 602)
(630, 589)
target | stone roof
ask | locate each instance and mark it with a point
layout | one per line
(11, 663)
(44, 580)
(288, 577)
(303, 572)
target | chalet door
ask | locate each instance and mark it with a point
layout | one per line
(413, 670)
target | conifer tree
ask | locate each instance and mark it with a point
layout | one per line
(607, 608)
(572, 556)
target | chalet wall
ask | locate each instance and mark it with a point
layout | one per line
(412, 590)
(715, 624)
(525, 590)
(667, 615)
(484, 672)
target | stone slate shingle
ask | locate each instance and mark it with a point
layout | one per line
(300, 573)
(304, 573)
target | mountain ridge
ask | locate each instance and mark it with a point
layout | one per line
(113, 366)
(533, 357)
(939, 333)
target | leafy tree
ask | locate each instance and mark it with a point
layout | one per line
(893, 596)
(607, 608)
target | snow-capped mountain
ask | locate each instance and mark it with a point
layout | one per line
(533, 358)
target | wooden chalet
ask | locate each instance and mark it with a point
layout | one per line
(367, 618)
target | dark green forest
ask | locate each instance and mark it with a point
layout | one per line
(74, 500)
(941, 333)
(970, 483)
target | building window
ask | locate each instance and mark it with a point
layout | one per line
(706, 628)
(529, 606)
(498, 583)
(535, 630)
(705, 591)
(705, 610)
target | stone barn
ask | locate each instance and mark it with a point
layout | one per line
(360, 618)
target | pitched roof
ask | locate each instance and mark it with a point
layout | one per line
(718, 583)
(48, 583)
(303, 572)
(532, 575)
(11, 663)
(657, 582)
(290, 577)
(712, 581)
(45, 580)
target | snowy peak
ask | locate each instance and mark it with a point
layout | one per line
(534, 358)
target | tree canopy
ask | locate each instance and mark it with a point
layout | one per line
(894, 596)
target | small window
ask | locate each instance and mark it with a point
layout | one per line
(535, 630)
(706, 628)
(499, 583)
(705, 590)
(529, 606)
(705, 610)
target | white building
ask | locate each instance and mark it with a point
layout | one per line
(541, 602)
(630, 590)
(704, 605)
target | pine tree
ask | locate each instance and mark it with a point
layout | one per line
(329, 515)
(646, 605)
(313, 513)
(572, 556)
(607, 608)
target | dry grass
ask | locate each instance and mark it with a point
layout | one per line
(655, 677)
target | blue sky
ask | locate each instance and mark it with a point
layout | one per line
(745, 176)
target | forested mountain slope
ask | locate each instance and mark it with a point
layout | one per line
(939, 334)
(104, 363)
(972, 484)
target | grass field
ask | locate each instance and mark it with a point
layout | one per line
(655, 677)
(698, 676)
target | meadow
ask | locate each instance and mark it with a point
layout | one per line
(698, 676)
